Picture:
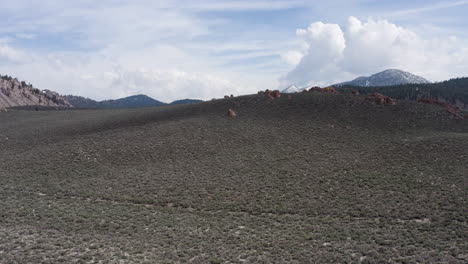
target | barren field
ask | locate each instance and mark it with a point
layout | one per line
(316, 179)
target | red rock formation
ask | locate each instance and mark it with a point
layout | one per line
(330, 90)
(276, 94)
(315, 89)
(355, 92)
(380, 99)
(226, 97)
(455, 111)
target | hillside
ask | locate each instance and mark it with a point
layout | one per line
(318, 178)
(386, 78)
(17, 93)
(454, 91)
(186, 101)
(135, 101)
(131, 102)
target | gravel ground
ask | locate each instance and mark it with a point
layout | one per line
(314, 179)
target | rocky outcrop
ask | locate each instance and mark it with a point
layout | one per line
(380, 99)
(18, 93)
(454, 110)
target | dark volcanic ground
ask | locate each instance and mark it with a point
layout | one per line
(316, 179)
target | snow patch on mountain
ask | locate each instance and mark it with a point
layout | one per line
(386, 78)
(291, 89)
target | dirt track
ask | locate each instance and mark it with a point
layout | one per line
(319, 178)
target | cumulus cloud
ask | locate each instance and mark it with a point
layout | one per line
(292, 57)
(362, 48)
(325, 43)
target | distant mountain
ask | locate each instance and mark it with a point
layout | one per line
(131, 102)
(186, 101)
(291, 89)
(127, 102)
(386, 78)
(82, 102)
(15, 93)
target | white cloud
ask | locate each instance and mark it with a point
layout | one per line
(11, 55)
(292, 57)
(365, 48)
(135, 47)
(173, 84)
(325, 43)
(104, 75)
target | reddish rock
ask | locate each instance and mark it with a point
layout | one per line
(432, 101)
(315, 89)
(355, 92)
(276, 94)
(226, 97)
(454, 110)
(330, 90)
(231, 113)
(380, 99)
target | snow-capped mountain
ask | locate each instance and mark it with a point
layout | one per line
(386, 78)
(290, 89)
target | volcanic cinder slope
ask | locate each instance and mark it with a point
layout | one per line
(316, 178)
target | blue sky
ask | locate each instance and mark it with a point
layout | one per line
(172, 49)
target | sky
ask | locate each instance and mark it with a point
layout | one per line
(204, 49)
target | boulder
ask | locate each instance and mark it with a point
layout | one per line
(276, 94)
(231, 113)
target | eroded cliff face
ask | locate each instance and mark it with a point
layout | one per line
(18, 93)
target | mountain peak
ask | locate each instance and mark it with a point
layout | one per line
(386, 78)
(291, 89)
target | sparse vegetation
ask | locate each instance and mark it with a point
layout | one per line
(317, 178)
